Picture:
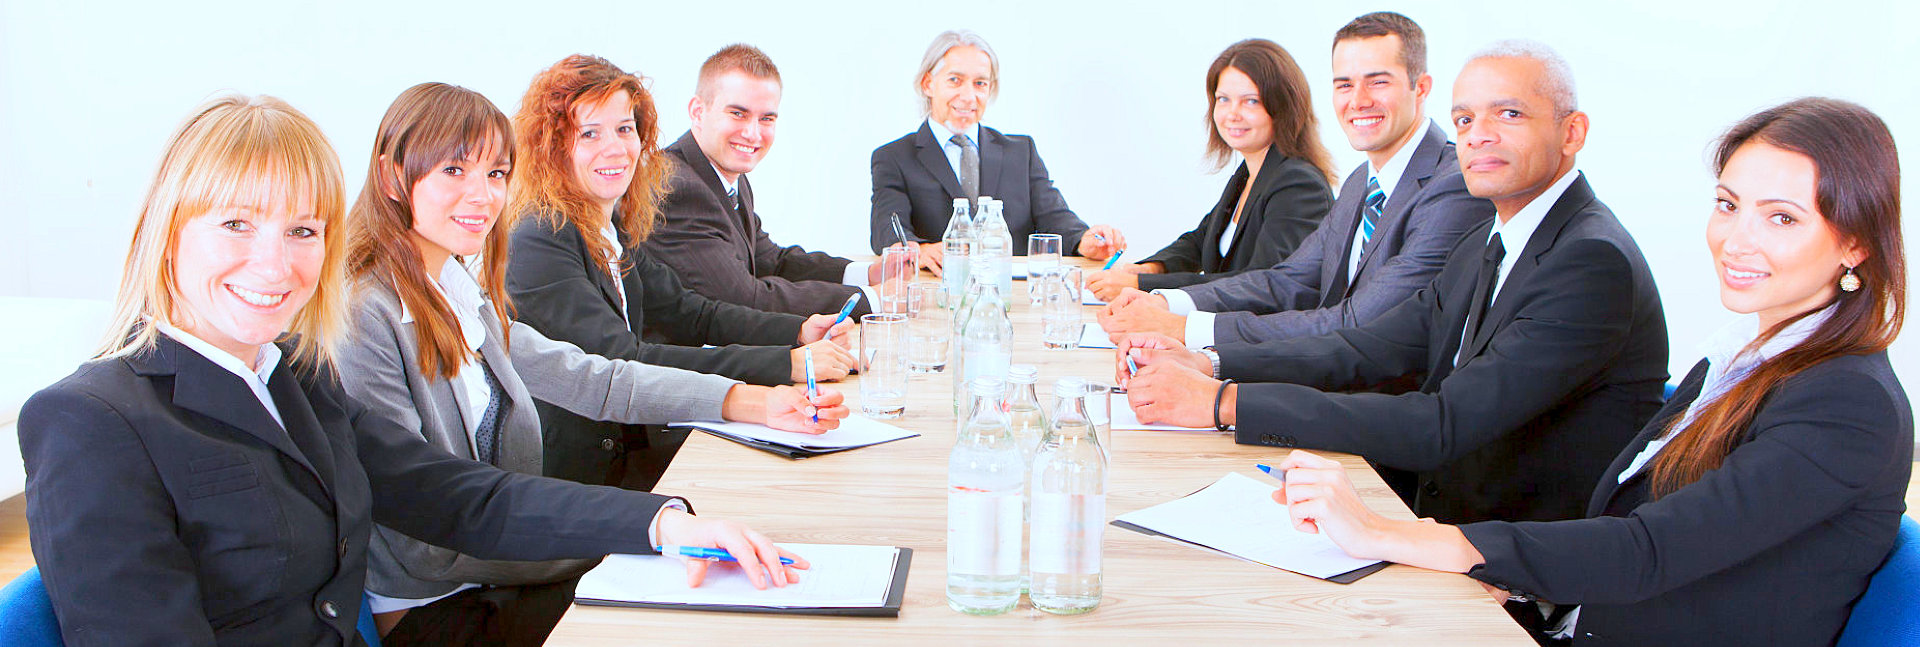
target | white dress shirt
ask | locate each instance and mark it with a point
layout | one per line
(613, 266)
(1514, 234)
(255, 378)
(1388, 175)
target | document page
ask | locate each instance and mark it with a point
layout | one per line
(1093, 336)
(1125, 418)
(841, 576)
(854, 431)
(1237, 516)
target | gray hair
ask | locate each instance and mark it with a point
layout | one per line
(945, 42)
(1559, 76)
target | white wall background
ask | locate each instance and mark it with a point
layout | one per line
(1112, 92)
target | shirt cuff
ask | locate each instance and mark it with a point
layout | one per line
(653, 529)
(1178, 302)
(1199, 329)
(873, 299)
(856, 273)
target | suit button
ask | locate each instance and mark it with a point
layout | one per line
(1431, 489)
(343, 548)
(606, 444)
(328, 609)
(1286, 441)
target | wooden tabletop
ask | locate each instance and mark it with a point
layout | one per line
(1155, 591)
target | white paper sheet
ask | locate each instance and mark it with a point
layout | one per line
(1093, 336)
(841, 576)
(1124, 418)
(854, 431)
(1236, 515)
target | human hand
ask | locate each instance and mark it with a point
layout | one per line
(933, 256)
(1148, 349)
(1140, 314)
(1129, 295)
(831, 361)
(1321, 499)
(756, 554)
(1175, 394)
(819, 327)
(1101, 241)
(1107, 284)
(789, 409)
(909, 264)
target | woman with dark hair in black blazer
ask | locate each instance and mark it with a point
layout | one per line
(190, 487)
(1754, 508)
(1259, 107)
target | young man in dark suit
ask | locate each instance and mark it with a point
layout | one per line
(1392, 225)
(709, 232)
(1541, 347)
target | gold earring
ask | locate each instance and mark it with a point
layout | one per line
(1849, 282)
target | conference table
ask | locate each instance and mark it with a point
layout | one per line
(1156, 591)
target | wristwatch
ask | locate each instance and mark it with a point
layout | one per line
(1213, 357)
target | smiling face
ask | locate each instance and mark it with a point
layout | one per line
(242, 273)
(735, 125)
(606, 149)
(1379, 106)
(456, 204)
(1774, 252)
(1239, 115)
(1511, 142)
(957, 89)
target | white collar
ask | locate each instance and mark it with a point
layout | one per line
(1516, 231)
(732, 186)
(464, 297)
(1396, 166)
(269, 357)
(944, 135)
(1726, 349)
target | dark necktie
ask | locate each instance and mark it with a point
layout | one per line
(1482, 295)
(1370, 216)
(486, 438)
(969, 166)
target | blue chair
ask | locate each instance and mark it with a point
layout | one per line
(26, 614)
(1888, 615)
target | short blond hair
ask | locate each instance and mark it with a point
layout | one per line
(235, 151)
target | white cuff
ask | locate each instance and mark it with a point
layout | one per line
(1200, 330)
(653, 529)
(856, 273)
(1178, 302)
(873, 300)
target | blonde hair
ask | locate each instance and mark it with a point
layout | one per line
(234, 151)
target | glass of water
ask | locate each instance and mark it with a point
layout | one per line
(897, 269)
(883, 365)
(920, 297)
(1043, 254)
(1060, 307)
(931, 330)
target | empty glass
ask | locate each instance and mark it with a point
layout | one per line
(1060, 307)
(1043, 254)
(897, 269)
(883, 364)
(922, 296)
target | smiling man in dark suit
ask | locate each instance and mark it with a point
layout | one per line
(1541, 348)
(709, 232)
(952, 156)
(1391, 227)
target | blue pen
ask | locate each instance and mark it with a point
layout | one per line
(1279, 475)
(709, 554)
(846, 310)
(1111, 260)
(1132, 368)
(813, 388)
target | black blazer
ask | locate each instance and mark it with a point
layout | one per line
(725, 254)
(1771, 548)
(1571, 362)
(911, 177)
(167, 508)
(558, 289)
(1289, 199)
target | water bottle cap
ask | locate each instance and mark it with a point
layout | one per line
(959, 202)
(1070, 387)
(1023, 374)
(987, 385)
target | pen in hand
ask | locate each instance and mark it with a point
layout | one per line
(1115, 258)
(845, 311)
(1278, 475)
(709, 554)
(813, 387)
(899, 231)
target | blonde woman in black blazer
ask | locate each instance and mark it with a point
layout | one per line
(1753, 508)
(1259, 108)
(190, 487)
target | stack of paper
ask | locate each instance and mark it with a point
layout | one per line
(1237, 516)
(854, 432)
(842, 580)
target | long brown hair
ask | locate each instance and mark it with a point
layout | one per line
(427, 124)
(545, 129)
(1283, 94)
(1857, 192)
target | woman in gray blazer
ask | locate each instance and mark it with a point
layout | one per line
(432, 351)
(1753, 509)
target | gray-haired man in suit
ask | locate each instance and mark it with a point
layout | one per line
(1394, 221)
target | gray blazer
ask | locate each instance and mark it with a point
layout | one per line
(380, 368)
(1310, 294)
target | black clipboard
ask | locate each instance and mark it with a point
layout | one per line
(1348, 577)
(788, 451)
(896, 592)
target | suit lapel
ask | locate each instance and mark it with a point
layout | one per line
(993, 152)
(688, 150)
(303, 427)
(1500, 311)
(1210, 257)
(1346, 216)
(203, 387)
(598, 275)
(1399, 207)
(935, 160)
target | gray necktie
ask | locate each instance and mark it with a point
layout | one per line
(969, 166)
(486, 436)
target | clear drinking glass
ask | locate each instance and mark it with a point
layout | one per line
(1043, 254)
(1060, 307)
(922, 296)
(883, 364)
(1100, 409)
(931, 331)
(897, 269)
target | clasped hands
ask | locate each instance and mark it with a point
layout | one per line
(1173, 386)
(1132, 311)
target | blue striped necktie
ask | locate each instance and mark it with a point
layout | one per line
(1370, 216)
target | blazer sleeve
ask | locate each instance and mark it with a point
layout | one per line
(1819, 444)
(1293, 283)
(1182, 256)
(1294, 206)
(1050, 212)
(551, 290)
(1436, 224)
(616, 390)
(890, 197)
(104, 533)
(1566, 330)
(693, 239)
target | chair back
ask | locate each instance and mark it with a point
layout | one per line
(1888, 614)
(26, 613)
